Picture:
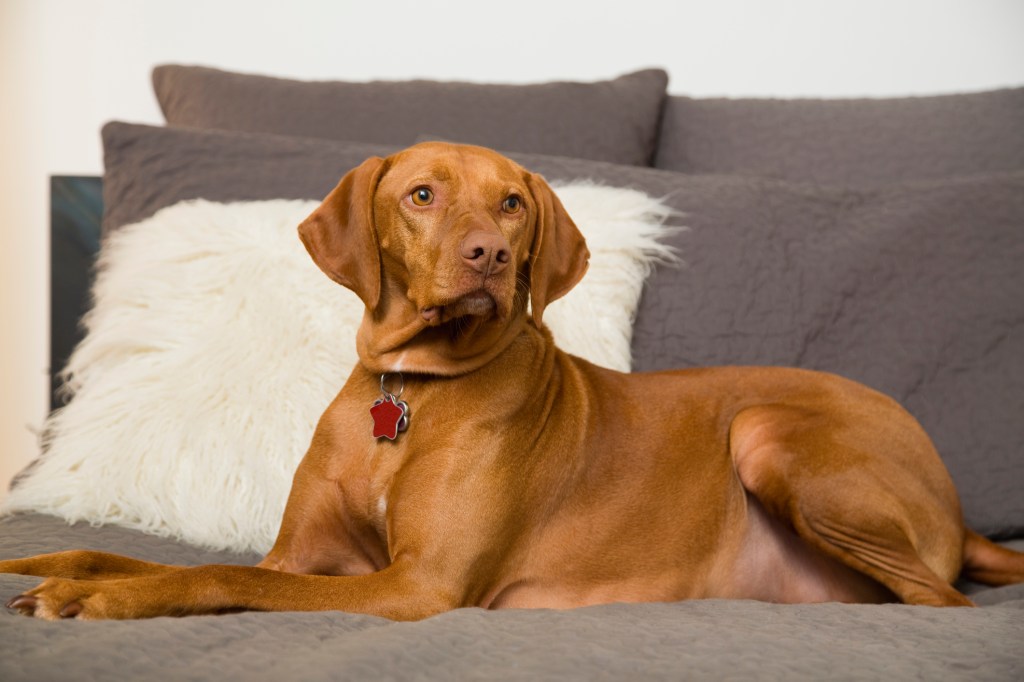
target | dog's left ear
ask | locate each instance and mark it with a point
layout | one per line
(340, 235)
(558, 254)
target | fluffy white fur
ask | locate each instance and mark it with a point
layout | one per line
(215, 344)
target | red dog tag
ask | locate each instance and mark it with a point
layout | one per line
(387, 418)
(390, 415)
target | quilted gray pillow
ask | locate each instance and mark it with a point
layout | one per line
(614, 120)
(916, 291)
(850, 142)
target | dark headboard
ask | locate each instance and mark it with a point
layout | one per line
(76, 208)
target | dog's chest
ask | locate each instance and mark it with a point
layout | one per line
(384, 460)
(397, 472)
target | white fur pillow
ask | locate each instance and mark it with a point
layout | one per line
(215, 344)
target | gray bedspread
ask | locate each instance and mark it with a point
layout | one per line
(714, 639)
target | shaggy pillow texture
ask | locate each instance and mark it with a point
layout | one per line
(215, 344)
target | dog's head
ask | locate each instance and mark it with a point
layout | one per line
(444, 244)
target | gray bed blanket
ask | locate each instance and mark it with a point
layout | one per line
(712, 639)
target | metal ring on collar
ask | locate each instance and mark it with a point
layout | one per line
(401, 385)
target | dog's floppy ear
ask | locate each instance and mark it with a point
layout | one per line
(558, 254)
(340, 235)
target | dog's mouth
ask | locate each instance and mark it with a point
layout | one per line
(479, 303)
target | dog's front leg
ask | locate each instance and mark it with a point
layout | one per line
(83, 564)
(397, 592)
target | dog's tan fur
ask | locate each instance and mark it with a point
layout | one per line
(531, 478)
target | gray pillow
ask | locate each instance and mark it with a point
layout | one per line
(149, 168)
(915, 291)
(851, 142)
(614, 120)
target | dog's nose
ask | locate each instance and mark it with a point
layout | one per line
(486, 252)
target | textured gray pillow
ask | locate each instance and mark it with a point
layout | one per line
(915, 291)
(614, 120)
(851, 142)
(149, 168)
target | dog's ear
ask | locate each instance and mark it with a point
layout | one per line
(340, 235)
(558, 254)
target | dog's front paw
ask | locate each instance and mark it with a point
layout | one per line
(59, 598)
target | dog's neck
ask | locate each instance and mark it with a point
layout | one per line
(398, 339)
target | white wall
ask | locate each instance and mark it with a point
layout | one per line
(66, 66)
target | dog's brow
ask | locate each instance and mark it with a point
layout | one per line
(441, 173)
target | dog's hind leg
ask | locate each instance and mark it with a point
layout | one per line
(839, 497)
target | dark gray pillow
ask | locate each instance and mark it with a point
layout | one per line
(916, 291)
(614, 120)
(149, 168)
(850, 142)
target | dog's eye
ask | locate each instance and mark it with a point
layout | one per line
(512, 204)
(422, 196)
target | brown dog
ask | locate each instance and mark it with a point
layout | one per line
(525, 477)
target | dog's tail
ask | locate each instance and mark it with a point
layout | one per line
(989, 563)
